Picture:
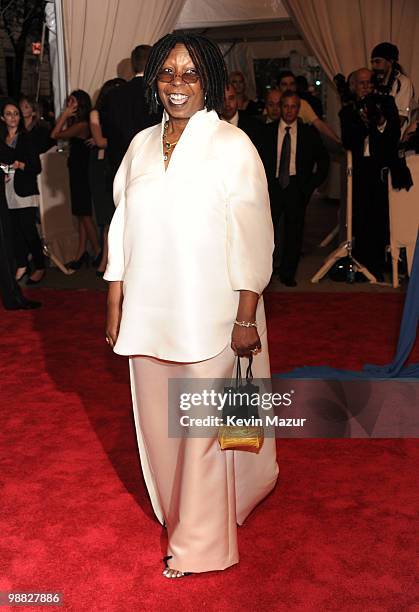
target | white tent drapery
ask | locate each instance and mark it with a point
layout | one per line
(212, 13)
(99, 34)
(54, 23)
(343, 34)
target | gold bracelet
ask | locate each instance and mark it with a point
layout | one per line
(245, 323)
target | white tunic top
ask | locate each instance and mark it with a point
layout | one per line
(15, 201)
(185, 241)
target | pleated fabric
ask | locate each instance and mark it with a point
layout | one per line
(199, 491)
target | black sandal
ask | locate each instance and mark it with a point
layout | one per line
(166, 567)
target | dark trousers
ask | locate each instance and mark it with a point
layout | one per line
(26, 238)
(288, 208)
(9, 289)
(370, 214)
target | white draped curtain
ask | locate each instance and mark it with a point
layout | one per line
(239, 57)
(100, 35)
(342, 33)
(214, 13)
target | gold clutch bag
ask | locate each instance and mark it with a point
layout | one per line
(241, 437)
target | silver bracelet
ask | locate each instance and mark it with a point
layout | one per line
(245, 323)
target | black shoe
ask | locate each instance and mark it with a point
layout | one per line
(30, 281)
(288, 282)
(360, 278)
(76, 264)
(23, 304)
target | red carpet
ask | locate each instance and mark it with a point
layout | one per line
(338, 533)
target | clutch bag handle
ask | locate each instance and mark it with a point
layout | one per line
(249, 373)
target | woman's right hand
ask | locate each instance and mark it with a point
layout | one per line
(114, 312)
(71, 108)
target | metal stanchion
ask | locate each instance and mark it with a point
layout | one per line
(345, 249)
(330, 237)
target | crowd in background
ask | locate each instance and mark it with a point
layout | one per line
(378, 122)
(287, 128)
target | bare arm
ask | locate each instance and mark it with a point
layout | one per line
(61, 125)
(96, 130)
(324, 129)
(244, 339)
(114, 312)
(79, 129)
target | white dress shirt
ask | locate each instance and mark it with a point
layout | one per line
(235, 119)
(281, 133)
(186, 240)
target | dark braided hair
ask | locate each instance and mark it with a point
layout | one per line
(207, 58)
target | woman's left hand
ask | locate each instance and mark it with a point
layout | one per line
(245, 341)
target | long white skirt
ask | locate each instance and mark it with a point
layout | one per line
(199, 491)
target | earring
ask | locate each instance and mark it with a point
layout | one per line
(205, 100)
(157, 101)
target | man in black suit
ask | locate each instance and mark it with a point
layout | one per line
(240, 119)
(296, 162)
(10, 292)
(370, 128)
(125, 111)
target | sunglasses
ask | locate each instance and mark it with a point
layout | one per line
(167, 75)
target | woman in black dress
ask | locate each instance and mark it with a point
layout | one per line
(100, 171)
(73, 125)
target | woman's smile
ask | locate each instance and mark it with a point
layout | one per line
(178, 98)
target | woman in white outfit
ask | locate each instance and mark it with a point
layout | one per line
(190, 253)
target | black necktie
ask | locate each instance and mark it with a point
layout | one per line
(284, 163)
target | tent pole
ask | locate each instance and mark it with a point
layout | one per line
(62, 72)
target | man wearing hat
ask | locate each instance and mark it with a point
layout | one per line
(390, 79)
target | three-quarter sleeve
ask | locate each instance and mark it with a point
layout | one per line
(116, 262)
(404, 97)
(250, 238)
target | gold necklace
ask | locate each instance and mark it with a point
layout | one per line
(168, 145)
